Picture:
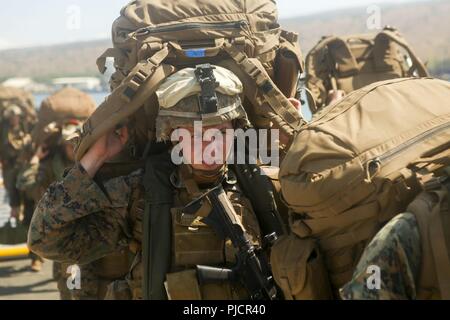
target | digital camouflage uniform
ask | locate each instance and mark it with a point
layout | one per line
(80, 220)
(91, 223)
(34, 180)
(396, 250)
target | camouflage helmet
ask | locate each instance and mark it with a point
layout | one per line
(12, 110)
(207, 93)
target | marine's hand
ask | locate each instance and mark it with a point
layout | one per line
(104, 149)
(335, 95)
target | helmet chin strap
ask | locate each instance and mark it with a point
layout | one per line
(208, 177)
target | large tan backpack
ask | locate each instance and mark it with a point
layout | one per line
(351, 62)
(67, 103)
(154, 38)
(353, 168)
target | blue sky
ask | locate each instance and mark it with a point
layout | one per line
(30, 22)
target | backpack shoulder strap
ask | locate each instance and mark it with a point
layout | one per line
(127, 98)
(259, 190)
(278, 107)
(342, 58)
(338, 62)
(157, 228)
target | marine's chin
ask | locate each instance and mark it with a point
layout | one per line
(207, 167)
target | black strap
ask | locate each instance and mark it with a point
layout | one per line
(157, 233)
(259, 190)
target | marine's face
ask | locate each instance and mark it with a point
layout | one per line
(205, 150)
(14, 121)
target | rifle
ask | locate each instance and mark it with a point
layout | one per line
(252, 268)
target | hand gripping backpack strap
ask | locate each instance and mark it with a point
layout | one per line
(421, 69)
(126, 99)
(283, 113)
(157, 228)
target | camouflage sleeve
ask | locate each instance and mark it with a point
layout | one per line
(76, 221)
(36, 178)
(26, 180)
(44, 178)
(390, 264)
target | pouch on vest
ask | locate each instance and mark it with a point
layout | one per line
(194, 242)
(113, 266)
(298, 269)
(184, 285)
(118, 290)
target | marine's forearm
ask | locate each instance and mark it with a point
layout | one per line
(72, 221)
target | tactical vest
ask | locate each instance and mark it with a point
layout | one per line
(193, 243)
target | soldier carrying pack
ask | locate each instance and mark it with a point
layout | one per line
(154, 38)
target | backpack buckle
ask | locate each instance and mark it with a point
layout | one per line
(141, 75)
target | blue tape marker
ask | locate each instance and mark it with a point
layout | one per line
(195, 53)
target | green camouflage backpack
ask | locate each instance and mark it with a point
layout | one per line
(154, 38)
(351, 62)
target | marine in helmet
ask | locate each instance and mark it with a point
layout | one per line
(81, 219)
(15, 138)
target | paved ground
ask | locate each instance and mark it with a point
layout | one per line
(17, 282)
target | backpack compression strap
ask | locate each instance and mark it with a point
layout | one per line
(281, 112)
